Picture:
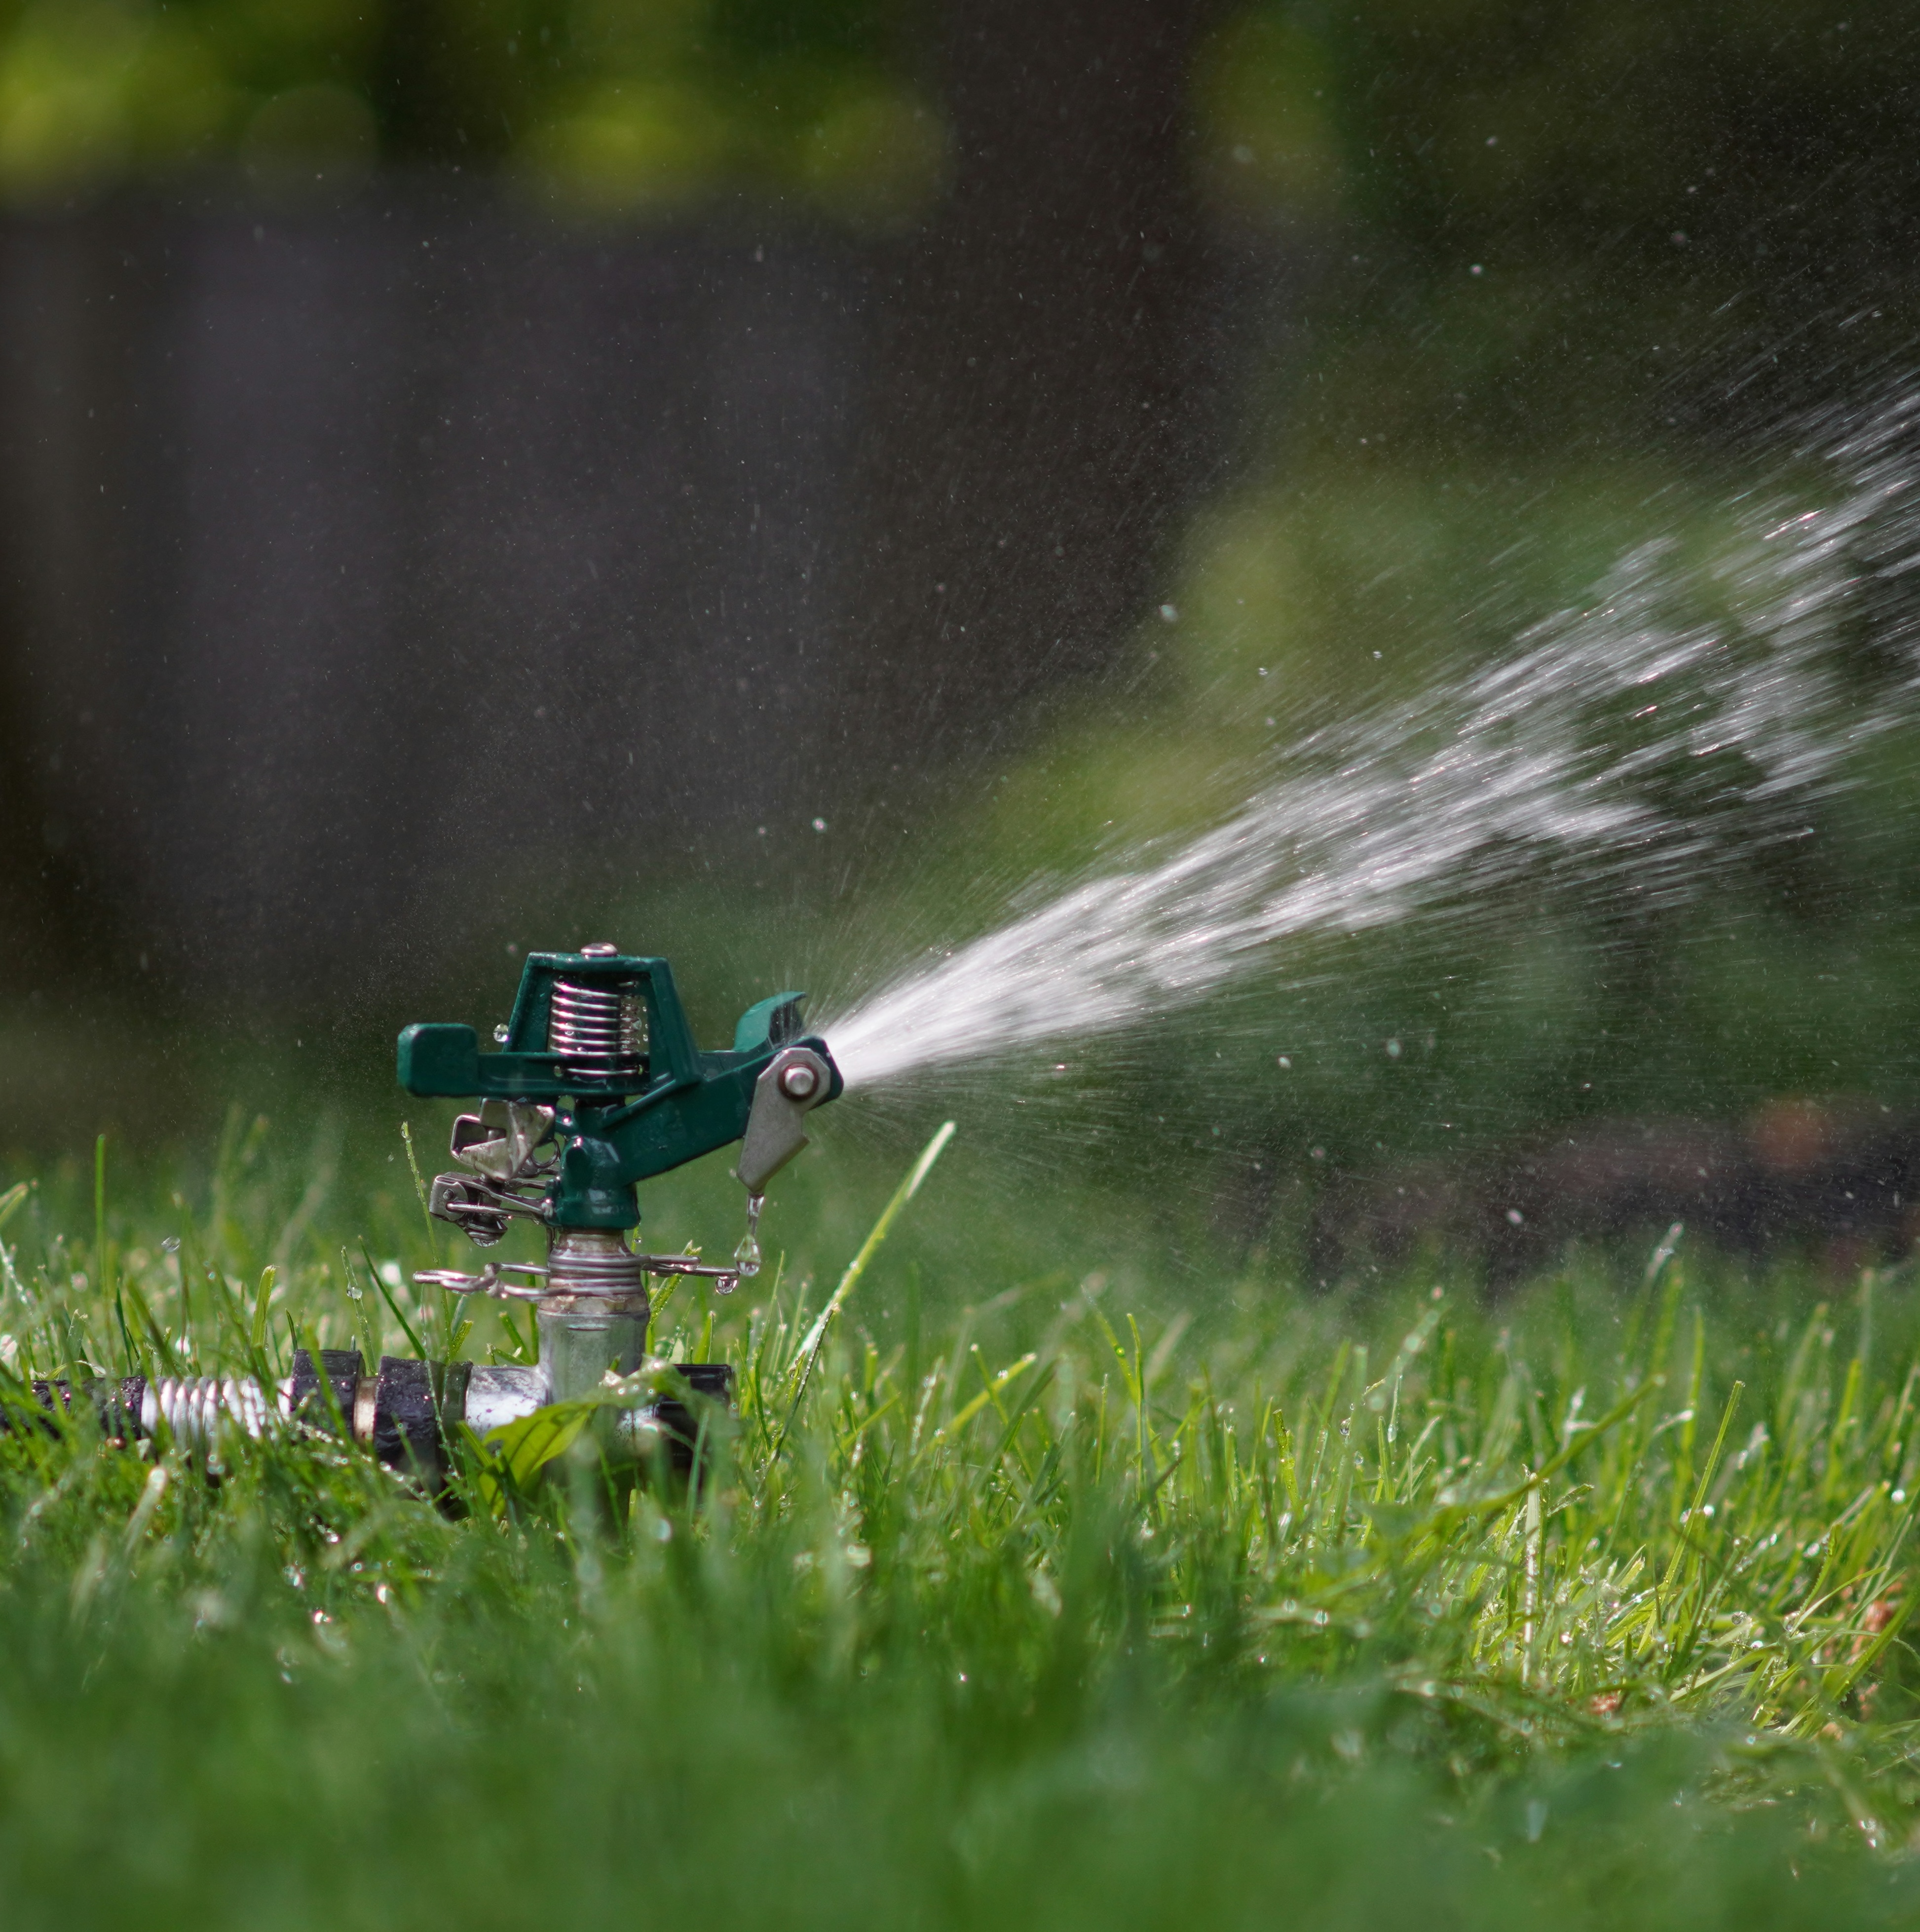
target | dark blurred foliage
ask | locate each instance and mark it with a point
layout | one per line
(1584, 218)
(1529, 214)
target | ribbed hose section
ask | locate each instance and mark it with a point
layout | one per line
(595, 1029)
(197, 1407)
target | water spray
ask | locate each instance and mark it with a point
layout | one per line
(1686, 713)
(597, 1085)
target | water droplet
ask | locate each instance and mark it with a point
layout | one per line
(747, 1256)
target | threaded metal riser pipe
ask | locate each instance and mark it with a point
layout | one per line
(592, 1318)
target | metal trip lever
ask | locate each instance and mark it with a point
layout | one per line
(794, 1082)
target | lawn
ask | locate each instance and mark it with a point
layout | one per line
(1006, 1603)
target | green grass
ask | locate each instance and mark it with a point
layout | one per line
(1037, 1611)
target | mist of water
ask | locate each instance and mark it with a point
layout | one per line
(1631, 745)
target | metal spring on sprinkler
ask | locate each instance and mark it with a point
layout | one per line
(593, 1261)
(595, 1029)
(195, 1408)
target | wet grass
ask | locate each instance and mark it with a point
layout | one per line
(1019, 1607)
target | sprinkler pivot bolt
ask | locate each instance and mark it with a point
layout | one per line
(799, 1083)
(601, 951)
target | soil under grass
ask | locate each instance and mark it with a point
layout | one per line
(1592, 1603)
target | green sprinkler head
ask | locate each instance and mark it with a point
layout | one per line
(598, 1086)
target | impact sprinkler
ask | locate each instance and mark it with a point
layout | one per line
(598, 1085)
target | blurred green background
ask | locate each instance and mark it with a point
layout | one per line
(634, 108)
(1511, 290)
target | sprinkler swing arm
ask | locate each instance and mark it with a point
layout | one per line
(599, 1086)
